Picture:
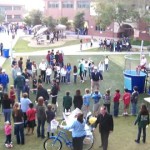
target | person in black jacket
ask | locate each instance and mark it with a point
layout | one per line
(96, 76)
(41, 92)
(54, 94)
(78, 100)
(106, 125)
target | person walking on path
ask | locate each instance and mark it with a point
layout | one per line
(142, 120)
(106, 126)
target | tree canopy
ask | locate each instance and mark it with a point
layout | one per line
(79, 20)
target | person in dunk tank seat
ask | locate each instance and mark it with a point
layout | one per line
(143, 63)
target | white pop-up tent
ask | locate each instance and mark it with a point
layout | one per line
(60, 27)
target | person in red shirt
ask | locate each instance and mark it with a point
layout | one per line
(31, 115)
(48, 57)
(116, 100)
(126, 100)
(12, 94)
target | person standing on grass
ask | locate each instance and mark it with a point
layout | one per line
(106, 125)
(42, 67)
(48, 74)
(106, 61)
(20, 64)
(1, 98)
(142, 120)
(86, 102)
(96, 76)
(68, 69)
(50, 115)
(75, 73)
(81, 70)
(24, 102)
(81, 42)
(116, 100)
(78, 100)
(96, 96)
(19, 84)
(41, 117)
(31, 114)
(12, 94)
(78, 132)
(4, 80)
(67, 102)
(134, 100)
(126, 100)
(17, 115)
(107, 100)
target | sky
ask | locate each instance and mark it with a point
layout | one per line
(30, 4)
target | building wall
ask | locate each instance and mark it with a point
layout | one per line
(12, 13)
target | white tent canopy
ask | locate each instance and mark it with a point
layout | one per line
(42, 30)
(36, 27)
(60, 27)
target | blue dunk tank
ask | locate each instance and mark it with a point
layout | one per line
(131, 78)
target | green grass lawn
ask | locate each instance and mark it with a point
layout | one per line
(124, 130)
(138, 42)
(22, 46)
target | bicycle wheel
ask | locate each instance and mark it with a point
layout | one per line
(88, 142)
(52, 143)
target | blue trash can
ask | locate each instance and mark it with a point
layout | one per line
(6, 53)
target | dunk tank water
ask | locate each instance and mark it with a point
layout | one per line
(131, 79)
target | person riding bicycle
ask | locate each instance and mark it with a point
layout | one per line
(78, 131)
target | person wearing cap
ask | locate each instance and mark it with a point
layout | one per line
(19, 84)
(96, 76)
(4, 80)
(106, 125)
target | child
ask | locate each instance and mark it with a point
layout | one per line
(126, 100)
(48, 75)
(96, 96)
(40, 79)
(106, 61)
(34, 85)
(75, 72)
(31, 112)
(8, 129)
(67, 102)
(12, 94)
(63, 74)
(116, 100)
(50, 115)
(86, 102)
(107, 100)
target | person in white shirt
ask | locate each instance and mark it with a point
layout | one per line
(101, 67)
(106, 61)
(48, 74)
(42, 67)
(63, 74)
(143, 64)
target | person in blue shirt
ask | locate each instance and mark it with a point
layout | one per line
(86, 102)
(78, 132)
(96, 96)
(68, 69)
(4, 80)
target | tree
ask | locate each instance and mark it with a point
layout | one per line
(35, 17)
(28, 21)
(2, 18)
(50, 22)
(64, 21)
(79, 21)
(114, 11)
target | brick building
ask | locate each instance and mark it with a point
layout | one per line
(69, 8)
(12, 12)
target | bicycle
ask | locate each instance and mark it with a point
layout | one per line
(55, 142)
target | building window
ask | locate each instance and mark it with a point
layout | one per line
(17, 16)
(67, 4)
(17, 8)
(9, 16)
(2, 8)
(8, 7)
(83, 4)
(53, 5)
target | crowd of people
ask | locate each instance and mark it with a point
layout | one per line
(32, 77)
